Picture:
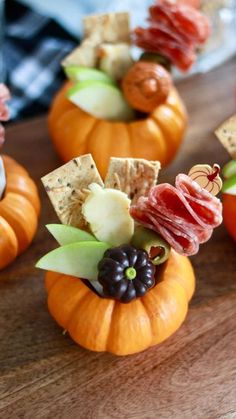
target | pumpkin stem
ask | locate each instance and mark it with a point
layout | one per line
(130, 273)
(213, 175)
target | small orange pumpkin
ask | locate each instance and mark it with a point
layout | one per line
(229, 213)
(103, 324)
(157, 137)
(19, 210)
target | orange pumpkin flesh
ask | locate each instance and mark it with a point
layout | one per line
(157, 137)
(229, 213)
(19, 210)
(102, 324)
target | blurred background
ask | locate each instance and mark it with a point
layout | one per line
(35, 35)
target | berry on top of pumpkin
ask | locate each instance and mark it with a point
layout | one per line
(126, 273)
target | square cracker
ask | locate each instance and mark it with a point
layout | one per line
(84, 55)
(111, 27)
(226, 133)
(67, 188)
(132, 176)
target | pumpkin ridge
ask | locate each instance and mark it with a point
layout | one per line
(175, 102)
(171, 127)
(24, 186)
(69, 292)
(8, 243)
(57, 276)
(95, 337)
(129, 334)
(17, 218)
(110, 330)
(163, 326)
(78, 302)
(96, 123)
(128, 126)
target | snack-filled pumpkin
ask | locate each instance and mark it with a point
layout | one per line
(19, 205)
(113, 284)
(114, 106)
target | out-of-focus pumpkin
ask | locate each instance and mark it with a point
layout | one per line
(103, 324)
(19, 210)
(229, 213)
(156, 137)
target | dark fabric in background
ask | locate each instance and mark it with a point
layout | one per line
(33, 48)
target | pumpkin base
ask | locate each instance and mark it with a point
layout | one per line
(102, 324)
(19, 210)
(156, 137)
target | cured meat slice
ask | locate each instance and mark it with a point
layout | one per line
(185, 19)
(183, 57)
(175, 31)
(184, 215)
(206, 207)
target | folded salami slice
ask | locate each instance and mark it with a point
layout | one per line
(183, 57)
(184, 215)
(175, 31)
(185, 19)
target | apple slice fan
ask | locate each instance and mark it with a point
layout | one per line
(226, 133)
(121, 280)
(19, 200)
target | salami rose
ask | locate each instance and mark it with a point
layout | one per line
(184, 215)
(175, 31)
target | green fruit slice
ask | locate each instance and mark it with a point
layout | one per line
(156, 247)
(65, 234)
(100, 100)
(229, 169)
(78, 74)
(76, 259)
(229, 185)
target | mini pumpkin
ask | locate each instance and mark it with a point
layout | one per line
(19, 210)
(104, 324)
(155, 137)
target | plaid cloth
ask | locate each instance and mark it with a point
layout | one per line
(33, 48)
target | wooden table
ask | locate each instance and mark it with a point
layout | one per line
(43, 374)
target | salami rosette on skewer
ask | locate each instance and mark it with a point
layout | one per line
(184, 215)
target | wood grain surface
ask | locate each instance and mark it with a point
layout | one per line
(43, 374)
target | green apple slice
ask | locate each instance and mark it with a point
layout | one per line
(101, 100)
(77, 74)
(229, 169)
(229, 185)
(76, 259)
(65, 234)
